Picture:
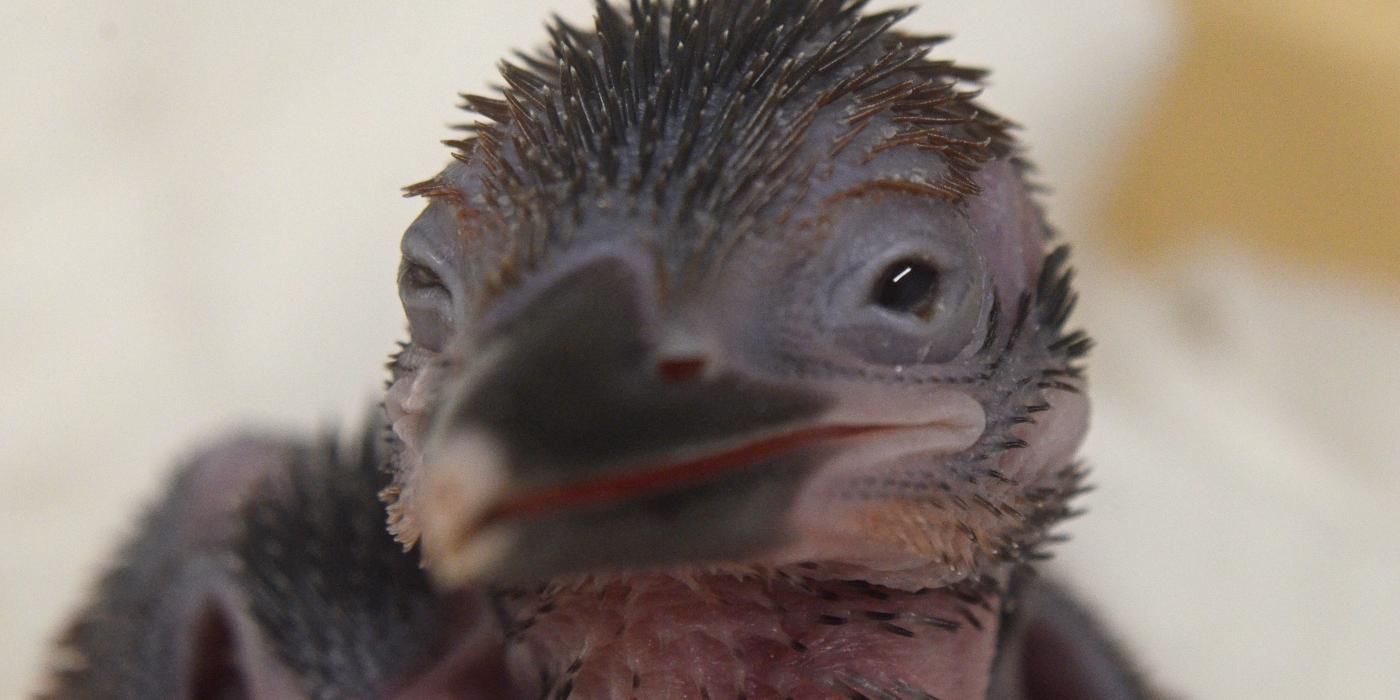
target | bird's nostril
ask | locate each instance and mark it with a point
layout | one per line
(680, 369)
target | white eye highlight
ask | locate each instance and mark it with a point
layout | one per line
(907, 286)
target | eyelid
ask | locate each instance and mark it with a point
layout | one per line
(420, 276)
(424, 246)
(427, 303)
(881, 335)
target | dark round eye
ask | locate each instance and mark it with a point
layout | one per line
(419, 277)
(908, 286)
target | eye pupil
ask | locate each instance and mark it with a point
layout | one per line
(907, 286)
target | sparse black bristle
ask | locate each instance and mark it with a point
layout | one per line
(337, 598)
(698, 111)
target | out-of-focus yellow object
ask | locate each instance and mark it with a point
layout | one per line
(1280, 126)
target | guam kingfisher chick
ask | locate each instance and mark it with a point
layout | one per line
(738, 367)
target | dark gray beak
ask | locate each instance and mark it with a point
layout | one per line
(573, 441)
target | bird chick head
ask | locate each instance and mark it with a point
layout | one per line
(733, 284)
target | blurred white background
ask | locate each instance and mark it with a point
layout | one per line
(199, 230)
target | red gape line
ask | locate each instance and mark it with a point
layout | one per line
(649, 479)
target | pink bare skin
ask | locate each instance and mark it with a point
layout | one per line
(656, 636)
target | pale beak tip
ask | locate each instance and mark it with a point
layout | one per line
(463, 475)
